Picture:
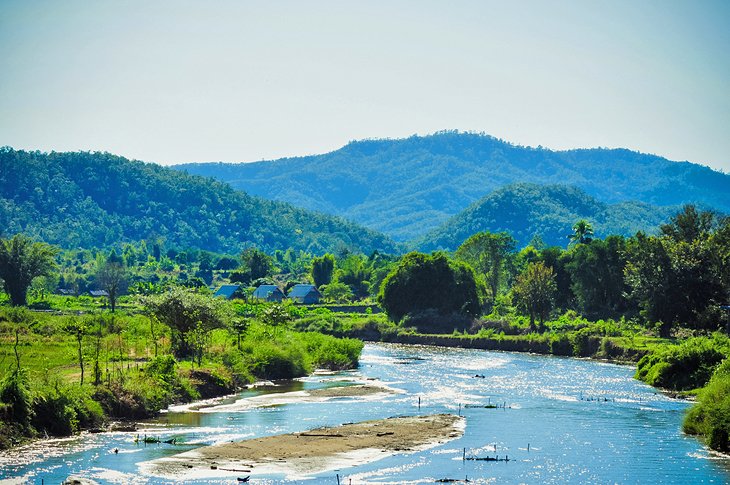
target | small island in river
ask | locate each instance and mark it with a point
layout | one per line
(314, 451)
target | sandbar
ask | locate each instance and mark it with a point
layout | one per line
(316, 450)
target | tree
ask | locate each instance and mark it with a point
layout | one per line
(689, 225)
(582, 233)
(355, 273)
(256, 263)
(21, 260)
(597, 275)
(111, 277)
(486, 253)
(337, 292)
(77, 328)
(534, 291)
(322, 269)
(182, 309)
(420, 283)
(275, 315)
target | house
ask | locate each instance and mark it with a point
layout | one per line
(268, 293)
(306, 294)
(227, 291)
(67, 292)
(97, 293)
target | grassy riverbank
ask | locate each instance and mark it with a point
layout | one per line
(128, 371)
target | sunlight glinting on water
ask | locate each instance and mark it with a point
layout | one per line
(563, 421)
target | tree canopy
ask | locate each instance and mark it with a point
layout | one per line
(22, 260)
(422, 282)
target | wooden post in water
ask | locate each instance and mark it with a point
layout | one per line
(528, 447)
(463, 456)
(419, 403)
(459, 409)
(338, 479)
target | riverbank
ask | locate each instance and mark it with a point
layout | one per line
(313, 451)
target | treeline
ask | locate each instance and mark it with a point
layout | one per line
(85, 200)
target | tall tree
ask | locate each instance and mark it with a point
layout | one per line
(690, 225)
(597, 275)
(535, 290)
(257, 263)
(111, 276)
(322, 270)
(21, 260)
(421, 282)
(487, 252)
(582, 233)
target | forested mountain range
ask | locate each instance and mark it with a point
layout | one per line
(97, 199)
(409, 186)
(548, 211)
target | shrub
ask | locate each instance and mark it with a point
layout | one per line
(688, 365)
(710, 416)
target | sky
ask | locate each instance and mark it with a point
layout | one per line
(181, 81)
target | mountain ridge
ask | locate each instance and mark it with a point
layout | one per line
(405, 187)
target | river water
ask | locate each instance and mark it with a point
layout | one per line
(584, 422)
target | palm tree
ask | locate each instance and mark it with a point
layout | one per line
(582, 233)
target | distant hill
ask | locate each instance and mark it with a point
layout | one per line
(97, 199)
(407, 187)
(549, 211)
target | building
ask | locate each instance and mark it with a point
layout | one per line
(306, 294)
(226, 291)
(268, 293)
(98, 293)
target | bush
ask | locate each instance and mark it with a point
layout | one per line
(710, 416)
(686, 366)
(63, 409)
(15, 395)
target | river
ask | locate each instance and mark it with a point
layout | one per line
(584, 422)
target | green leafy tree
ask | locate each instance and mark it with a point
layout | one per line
(690, 225)
(582, 233)
(111, 276)
(256, 263)
(597, 275)
(421, 283)
(337, 292)
(355, 273)
(182, 309)
(322, 270)
(534, 291)
(21, 260)
(487, 253)
(276, 316)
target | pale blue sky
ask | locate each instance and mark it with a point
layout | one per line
(178, 81)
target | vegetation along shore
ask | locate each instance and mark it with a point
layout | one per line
(120, 332)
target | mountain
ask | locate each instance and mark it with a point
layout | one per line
(548, 211)
(97, 200)
(407, 187)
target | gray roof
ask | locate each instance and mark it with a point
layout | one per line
(226, 291)
(98, 293)
(300, 291)
(264, 291)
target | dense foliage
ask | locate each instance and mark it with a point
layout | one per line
(410, 186)
(421, 283)
(97, 199)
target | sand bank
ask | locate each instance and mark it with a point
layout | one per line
(314, 451)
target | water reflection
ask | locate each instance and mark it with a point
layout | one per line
(568, 421)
